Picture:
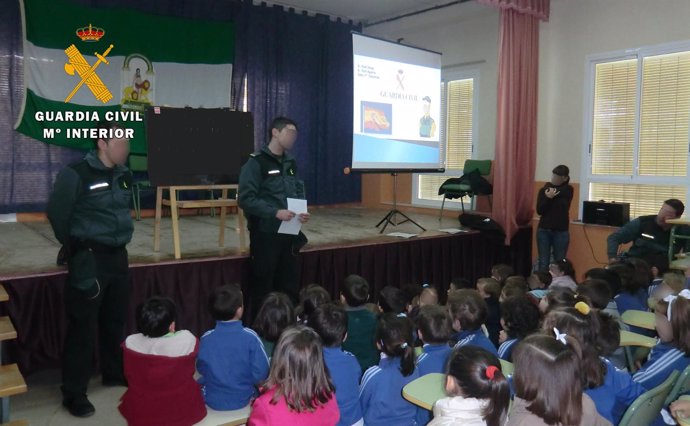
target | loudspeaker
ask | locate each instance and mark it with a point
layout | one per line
(603, 213)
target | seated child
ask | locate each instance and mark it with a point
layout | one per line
(598, 293)
(548, 384)
(672, 283)
(501, 271)
(393, 300)
(490, 290)
(673, 350)
(428, 296)
(159, 367)
(310, 298)
(275, 315)
(330, 323)
(556, 298)
(612, 390)
(298, 390)
(459, 283)
(433, 329)
(380, 391)
(361, 322)
(468, 312)
(232, 361)
(563, 275)
(519, 319)
(631, 295)
(478, 392)
(514, 286)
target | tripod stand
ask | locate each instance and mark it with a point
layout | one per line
(389, 218)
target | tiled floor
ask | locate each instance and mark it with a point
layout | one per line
(41, 405)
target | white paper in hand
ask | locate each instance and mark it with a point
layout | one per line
(293, 226)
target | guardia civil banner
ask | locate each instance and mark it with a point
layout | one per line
(83, 65)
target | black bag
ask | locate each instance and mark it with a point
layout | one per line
(479, 185)
(487, 226)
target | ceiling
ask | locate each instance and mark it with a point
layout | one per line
(364, 11)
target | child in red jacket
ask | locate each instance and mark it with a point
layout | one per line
(159, 365)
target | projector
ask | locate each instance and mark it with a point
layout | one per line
(605, 213)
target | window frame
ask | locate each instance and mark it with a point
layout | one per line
(447, 75)
(587, 177)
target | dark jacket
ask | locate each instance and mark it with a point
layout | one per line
(554, 211)
(266, 182)
(647, 236)
(91, 202)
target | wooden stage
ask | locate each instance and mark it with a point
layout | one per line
(343, 241)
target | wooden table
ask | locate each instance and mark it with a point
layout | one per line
(642, 319)
(223, 203)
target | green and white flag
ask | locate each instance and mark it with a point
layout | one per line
(84, 64)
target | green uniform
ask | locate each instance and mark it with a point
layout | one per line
(650, 241)
(266, 182)
(90, 215)
(361, 330)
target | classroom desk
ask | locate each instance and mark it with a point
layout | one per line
(642, 319)
(628, 338)
(426, 390)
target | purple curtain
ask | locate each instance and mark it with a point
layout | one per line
(37, 310)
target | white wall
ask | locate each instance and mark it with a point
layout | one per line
(580, 28)
(467, 36)
(468, 33)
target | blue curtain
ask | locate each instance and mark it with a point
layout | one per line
(27, 167)
(295, 65)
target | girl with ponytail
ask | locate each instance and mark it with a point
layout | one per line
(380, 392)
(478, 392)
(672, 322)
(612, 390)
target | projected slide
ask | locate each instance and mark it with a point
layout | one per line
(397, 106)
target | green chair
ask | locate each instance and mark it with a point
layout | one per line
(645, 409)
(139, 164)
(470, 184)
(681, 387)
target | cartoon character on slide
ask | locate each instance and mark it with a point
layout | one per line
(427, 125)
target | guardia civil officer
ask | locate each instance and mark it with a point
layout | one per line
(267, 179)
(89, 212)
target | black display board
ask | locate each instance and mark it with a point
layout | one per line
(188, 146)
